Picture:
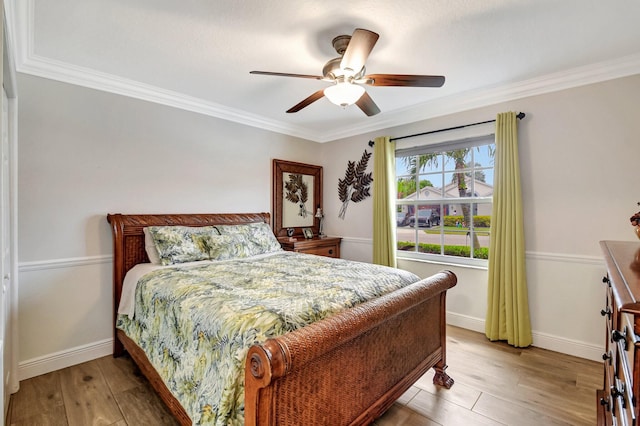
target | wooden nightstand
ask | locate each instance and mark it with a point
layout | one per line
(328, 246)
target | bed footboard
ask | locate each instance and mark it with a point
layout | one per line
(351, 367)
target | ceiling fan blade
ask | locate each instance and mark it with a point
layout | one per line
(404, 80)
(360, 45)
(306, 102)
(282, 74)
(366, 104)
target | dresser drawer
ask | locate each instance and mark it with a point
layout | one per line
(611, 348)
(605, 400)
(627, 345)
(622, 399)
(627, 358)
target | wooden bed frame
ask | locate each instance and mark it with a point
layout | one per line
(346, 369)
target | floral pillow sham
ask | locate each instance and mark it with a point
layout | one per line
(259, 237)
(179, 244)
(226, 247)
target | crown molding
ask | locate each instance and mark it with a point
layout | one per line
(68, 73)
(581, 76)
(19, 15)
(20, 18)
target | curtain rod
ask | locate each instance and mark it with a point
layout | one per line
(520, 115)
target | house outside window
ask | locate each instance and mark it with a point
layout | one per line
(444, 201)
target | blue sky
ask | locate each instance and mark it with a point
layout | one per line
(434, 173)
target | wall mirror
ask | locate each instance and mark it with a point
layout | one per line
(297, 194)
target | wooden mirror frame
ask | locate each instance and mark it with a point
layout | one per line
(279, 169)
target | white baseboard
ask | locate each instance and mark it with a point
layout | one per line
(568, 346)
(63, 359)
(540, 340)
(466, 322)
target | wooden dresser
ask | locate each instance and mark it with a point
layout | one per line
(618, 400)
(328, 246)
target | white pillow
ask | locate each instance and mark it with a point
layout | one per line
(150, 247)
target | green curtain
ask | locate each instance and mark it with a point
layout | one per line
(508, 305)
(384, 194)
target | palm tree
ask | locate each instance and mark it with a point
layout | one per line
(458, 157)
(417, 163)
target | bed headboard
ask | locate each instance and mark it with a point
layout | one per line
(128, 237)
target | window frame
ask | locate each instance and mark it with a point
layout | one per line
(442, 201)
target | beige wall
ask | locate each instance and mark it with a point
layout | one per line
(85, 153)
(579, 152)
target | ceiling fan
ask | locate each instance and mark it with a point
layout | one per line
(348, 73)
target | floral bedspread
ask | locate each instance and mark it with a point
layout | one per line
(197, 322)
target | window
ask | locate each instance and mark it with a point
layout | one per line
(444, 200)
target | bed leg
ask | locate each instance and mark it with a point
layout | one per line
(441, 378)
(118, 347)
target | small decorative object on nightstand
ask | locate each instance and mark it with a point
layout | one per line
(320, 216)
(328, 246)
(635, 221)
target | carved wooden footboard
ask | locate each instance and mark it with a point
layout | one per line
(351, 367)
(346, 369)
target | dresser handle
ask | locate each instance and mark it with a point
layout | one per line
(615, 393)
(604, 403)
(330, 251)
(607, 356)
(605, 280)
(616, 336)
(606, 312)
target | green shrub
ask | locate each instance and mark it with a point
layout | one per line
(452, 220)
(482, 221)
(478, 221)
(405, 245)
(459, 251)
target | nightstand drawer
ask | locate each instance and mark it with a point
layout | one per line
(328, 246)
(330, 251)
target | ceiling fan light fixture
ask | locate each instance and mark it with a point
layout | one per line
(348, 73)
(344, 94)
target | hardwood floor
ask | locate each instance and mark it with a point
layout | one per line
(496, 384)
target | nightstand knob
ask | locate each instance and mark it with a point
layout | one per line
(607, 356)
(606, 312)
(330, 251)
(605, 403)
(605, 279)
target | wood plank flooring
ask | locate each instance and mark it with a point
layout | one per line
(496, 384)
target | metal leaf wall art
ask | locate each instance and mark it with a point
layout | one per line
(356, 183)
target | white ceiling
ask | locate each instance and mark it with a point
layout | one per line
(197, 54)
